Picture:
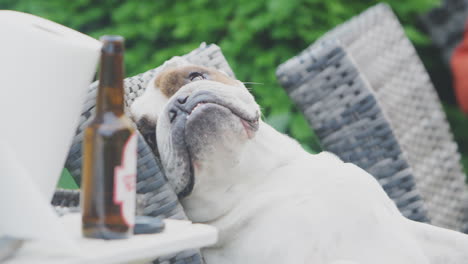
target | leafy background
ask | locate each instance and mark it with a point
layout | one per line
(255, 36)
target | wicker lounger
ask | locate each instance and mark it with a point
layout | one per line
(382, 90)
(155, 196)
(338, 103)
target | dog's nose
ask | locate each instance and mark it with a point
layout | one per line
(182, 99)
(172, 114)
(178, 105)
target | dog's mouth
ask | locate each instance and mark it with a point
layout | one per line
(250, 124)
(197, 122)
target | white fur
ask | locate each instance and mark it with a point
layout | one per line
(278, 204)
(283, 205)
(152, 101)
(149, 104)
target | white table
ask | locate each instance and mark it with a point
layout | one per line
(177, 236)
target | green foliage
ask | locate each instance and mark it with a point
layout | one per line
(66, 181)
(255, 36)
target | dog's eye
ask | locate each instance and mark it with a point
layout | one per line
(196, 76)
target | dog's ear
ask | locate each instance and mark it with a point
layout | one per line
(147, 129)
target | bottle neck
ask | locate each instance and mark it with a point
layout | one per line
(110, 96)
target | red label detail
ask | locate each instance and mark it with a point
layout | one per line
(125, 181)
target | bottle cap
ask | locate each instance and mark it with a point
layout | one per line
(112, 43)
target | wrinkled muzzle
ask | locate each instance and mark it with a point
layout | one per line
(204, 121)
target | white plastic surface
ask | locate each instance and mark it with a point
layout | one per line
(177, 236)
(45, 70)
(25, 212)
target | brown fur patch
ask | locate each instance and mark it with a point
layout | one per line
(170, 81)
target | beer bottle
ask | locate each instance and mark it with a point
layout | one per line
(109, 154)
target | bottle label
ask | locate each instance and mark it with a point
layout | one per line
(125, 181)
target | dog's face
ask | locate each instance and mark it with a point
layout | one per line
(201, 117)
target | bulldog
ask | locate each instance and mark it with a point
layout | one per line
(271, 201)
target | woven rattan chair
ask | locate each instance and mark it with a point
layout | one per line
(446, 24)
(367, 95)
(155, 196)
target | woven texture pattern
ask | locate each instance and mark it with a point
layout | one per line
(156, 197)
(445, 25)
(338, 103)
(66, 198)
(385, 58)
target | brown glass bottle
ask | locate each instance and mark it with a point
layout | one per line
(109, 154)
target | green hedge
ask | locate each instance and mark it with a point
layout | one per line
(255, 36)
